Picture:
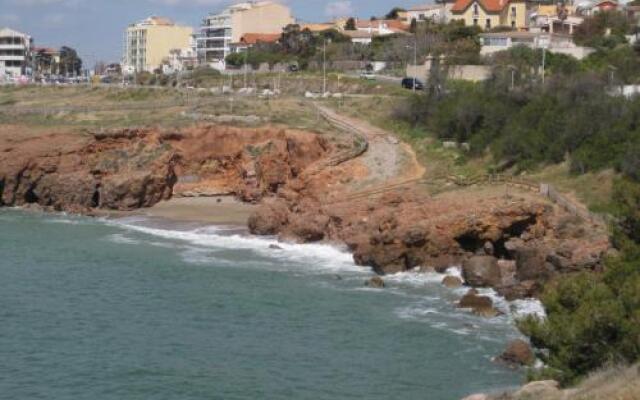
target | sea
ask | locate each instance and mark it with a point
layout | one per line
(140, 308)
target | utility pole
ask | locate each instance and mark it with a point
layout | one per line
(415, 59)
(324, 67)
(246, 55)
(544, 56)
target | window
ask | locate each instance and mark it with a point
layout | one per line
(487, 24)
(475, 9)
(475, 22)
(513, 24)
(513, 11)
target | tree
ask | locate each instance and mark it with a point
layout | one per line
(350, 25)
(604, 29)
(70, 63)
(394, 13)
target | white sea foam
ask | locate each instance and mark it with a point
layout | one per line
(418, 278)
(121, 239)
(318, 257)
(526, 307)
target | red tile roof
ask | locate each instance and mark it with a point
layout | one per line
(253, 38)
(488, 5)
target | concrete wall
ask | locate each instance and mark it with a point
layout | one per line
(270, 18)
(473, 73)
(162, 39)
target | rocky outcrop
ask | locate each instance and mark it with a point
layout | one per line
(71, 173)
(134, 168)
(517, 353)
(513, 245)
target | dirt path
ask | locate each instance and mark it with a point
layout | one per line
(387, 160)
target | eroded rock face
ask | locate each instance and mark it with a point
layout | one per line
(72, 173)
(134, 168)
(514, 246)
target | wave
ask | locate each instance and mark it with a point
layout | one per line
(319, 257)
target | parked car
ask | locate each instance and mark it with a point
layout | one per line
(410, 83)
(368, 75)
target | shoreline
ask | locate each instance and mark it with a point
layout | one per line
(220, 210)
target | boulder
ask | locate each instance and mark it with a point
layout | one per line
(481, 271)
(475, 301)
(308, 227)
(531, 264)
(376, 282)
(517, 353)
(452, 281)
(269, 218)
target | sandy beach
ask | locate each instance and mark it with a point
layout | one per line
(223, 210)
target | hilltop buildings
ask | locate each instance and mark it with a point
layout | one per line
(489, 14)
(219, 32)
(148, 42)
(15, 53)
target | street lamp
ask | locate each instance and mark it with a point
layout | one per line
(415, 59)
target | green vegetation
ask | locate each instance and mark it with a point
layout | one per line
(566, 119)
(594, 318)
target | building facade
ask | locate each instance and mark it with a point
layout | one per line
(15, 53)
(219, 31)
(438, 13)
(149, 42)
(488, 14)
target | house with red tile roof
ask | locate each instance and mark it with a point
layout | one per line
(489, 14)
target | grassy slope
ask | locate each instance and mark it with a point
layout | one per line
(593, 189)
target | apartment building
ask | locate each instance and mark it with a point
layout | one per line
(439, 12)
(15, 53)
(489, 14)
(148, 42)
(219, 31)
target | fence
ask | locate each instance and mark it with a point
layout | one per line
(544, 189)
(360, 142)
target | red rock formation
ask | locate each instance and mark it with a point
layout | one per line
(134, 168)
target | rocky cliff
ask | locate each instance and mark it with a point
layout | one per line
(134, 168)
(513, 244)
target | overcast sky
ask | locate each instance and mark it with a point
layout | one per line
(95, 27)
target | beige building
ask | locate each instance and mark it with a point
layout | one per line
(220, 31)
(488, 14)
(149, 42)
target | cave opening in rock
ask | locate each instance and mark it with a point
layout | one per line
(470, 242)
(30, 197)
(518, 228)
(95, 199)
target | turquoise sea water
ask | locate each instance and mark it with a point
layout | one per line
(140, 309)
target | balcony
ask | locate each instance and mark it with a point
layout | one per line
(12, 58)
(12, 47)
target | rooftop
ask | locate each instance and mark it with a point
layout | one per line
(253, 38)
(487, 5)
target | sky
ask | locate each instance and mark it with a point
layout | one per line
(95, 28)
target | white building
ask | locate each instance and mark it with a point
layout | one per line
(219, 31)
(15, 53)
(552, 42)
(439, 13)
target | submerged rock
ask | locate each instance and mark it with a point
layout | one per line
(376, 282)
(452, 281)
